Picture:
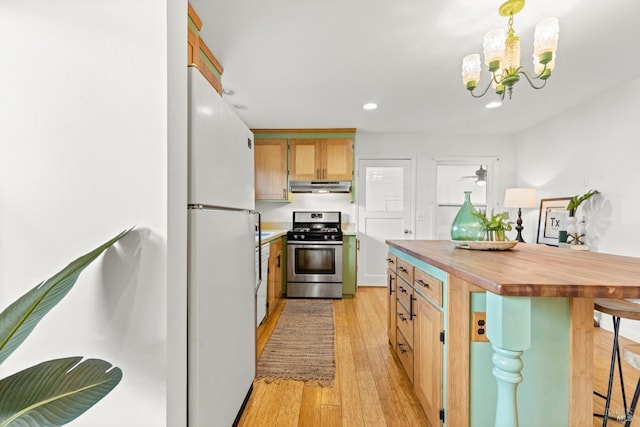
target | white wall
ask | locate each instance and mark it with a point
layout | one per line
(84, 155)
(599, 143)
(425, 148)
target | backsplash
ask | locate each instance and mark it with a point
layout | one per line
(282, 213)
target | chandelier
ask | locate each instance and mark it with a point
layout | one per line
(502, 55)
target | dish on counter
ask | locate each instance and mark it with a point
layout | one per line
(485, 245)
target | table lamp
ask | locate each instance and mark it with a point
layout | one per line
(520, 198)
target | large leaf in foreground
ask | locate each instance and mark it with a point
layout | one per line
(55, 392)
(18, 320)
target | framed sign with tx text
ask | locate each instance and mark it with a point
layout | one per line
(553, 216)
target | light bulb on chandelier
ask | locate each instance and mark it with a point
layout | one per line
(502, 55)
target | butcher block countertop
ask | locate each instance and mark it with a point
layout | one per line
(532, 269)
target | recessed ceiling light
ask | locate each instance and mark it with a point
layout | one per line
(370, 106)
(494, 104)
(240, 106)
(227, 91)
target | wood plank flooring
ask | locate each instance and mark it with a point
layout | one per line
(370, 387)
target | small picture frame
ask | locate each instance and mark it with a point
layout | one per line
(553, 217)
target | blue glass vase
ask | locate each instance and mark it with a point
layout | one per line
(466, 225)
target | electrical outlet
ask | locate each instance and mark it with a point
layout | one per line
(479, 326)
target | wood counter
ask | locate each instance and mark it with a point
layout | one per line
(523, 285)
(533, 270)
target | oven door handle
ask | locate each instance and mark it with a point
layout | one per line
(313, 243)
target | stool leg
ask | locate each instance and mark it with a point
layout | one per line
(614, 357)
(629, 415)
(624, 397)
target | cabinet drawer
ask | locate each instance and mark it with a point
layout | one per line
(405, 294)
(404, 321)
(391, 262)
(405, 270)
(405, 354)
(429, 286)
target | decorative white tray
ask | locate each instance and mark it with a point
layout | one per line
(485, 245)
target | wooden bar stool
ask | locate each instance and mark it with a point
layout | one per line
(632, 357)
(618, 309)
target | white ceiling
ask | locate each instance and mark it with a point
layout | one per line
(308, 64)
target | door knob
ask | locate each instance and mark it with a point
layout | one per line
(406, 231)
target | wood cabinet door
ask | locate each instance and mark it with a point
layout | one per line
(274, 278)
(305, 159)
(337, 162)
(427, 376)
(391, 306)
(271, 169)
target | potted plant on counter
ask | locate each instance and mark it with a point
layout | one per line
(496, 225)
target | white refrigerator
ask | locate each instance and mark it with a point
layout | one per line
(221, 281)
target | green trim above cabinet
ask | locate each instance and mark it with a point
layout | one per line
(304, 135)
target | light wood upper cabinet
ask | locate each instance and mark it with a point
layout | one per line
(322, 159)
(338, 159)
(305, 159)
(271, 169)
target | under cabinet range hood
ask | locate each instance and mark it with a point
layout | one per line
(320, 186)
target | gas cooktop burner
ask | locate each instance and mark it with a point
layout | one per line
(316, 226)
(329, 230)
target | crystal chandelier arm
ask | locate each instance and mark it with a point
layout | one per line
(530, 79)
(485, 91)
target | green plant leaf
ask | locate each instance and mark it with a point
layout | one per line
(55, 392)
(19, 319)
(577, 199)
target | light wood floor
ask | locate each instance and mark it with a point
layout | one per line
(370, 387)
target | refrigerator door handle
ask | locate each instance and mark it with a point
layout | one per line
(259, 233)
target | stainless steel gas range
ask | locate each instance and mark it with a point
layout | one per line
(314, 255)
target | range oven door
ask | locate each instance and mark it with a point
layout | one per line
(314, 262)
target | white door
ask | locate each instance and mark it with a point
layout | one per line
(384, 213)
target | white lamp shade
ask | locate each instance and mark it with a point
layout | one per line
(471, 68)
(521, 198)
(494, 46)
(545, 38)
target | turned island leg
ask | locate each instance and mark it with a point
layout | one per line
(510, 334)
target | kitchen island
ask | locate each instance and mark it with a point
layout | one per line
(535, 369)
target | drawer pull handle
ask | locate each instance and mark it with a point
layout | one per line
(401, 316)
(411, 312)
(402, 289)
(404, 270)
(401, 347)
(426, 285)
